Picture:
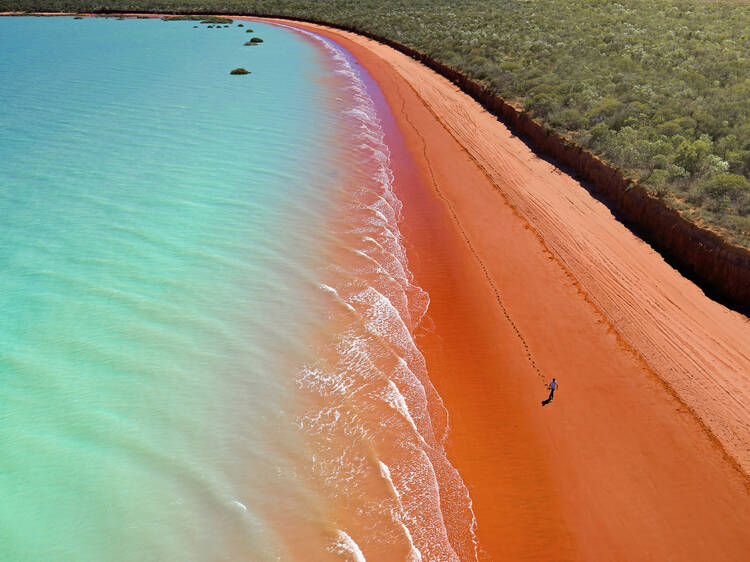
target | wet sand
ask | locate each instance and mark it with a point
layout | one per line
(526, 271)
(644, 451)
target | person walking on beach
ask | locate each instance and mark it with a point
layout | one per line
(552, 386)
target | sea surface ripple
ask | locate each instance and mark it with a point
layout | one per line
(206, 310)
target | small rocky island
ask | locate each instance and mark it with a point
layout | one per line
(239, 71)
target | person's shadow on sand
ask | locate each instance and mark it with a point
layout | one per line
(552, 386)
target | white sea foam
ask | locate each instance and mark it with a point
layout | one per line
(375, 367)
(386, 474)
(397, 402)
(345, 545)
(414, 554)
(239, 504)
(335, 293)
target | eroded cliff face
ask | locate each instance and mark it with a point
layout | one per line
(721, 269)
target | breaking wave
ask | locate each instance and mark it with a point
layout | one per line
(373, 420)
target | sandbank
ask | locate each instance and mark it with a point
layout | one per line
(643, 453)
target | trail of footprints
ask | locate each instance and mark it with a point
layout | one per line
(524, 343)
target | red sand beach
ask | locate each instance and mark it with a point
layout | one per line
(643, 453)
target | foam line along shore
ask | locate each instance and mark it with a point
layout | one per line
(505, 299)
(222, 306)
(377, 426)
(407, 277)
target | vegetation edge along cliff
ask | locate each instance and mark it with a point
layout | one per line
(685, 168)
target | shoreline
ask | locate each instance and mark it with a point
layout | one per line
(668, 322)
(695, 346)
(601, 472)
(699, 251)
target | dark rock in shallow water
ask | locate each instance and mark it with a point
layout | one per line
(248, 30)
(240, 25)
(239, 71)
(256, 40)
(251, 44)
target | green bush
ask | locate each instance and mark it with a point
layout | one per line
(691, 155)
(658, 178)
(659, 163)
(202, 19)
(629, 80)
(569, 119)
(732, 186)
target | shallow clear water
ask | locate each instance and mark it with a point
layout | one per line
(205, 305)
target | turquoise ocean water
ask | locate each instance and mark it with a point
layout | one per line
(205, 306)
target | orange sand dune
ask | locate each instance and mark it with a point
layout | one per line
(529, 278)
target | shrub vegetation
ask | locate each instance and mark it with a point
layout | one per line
(658, 88)
(202, 19)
